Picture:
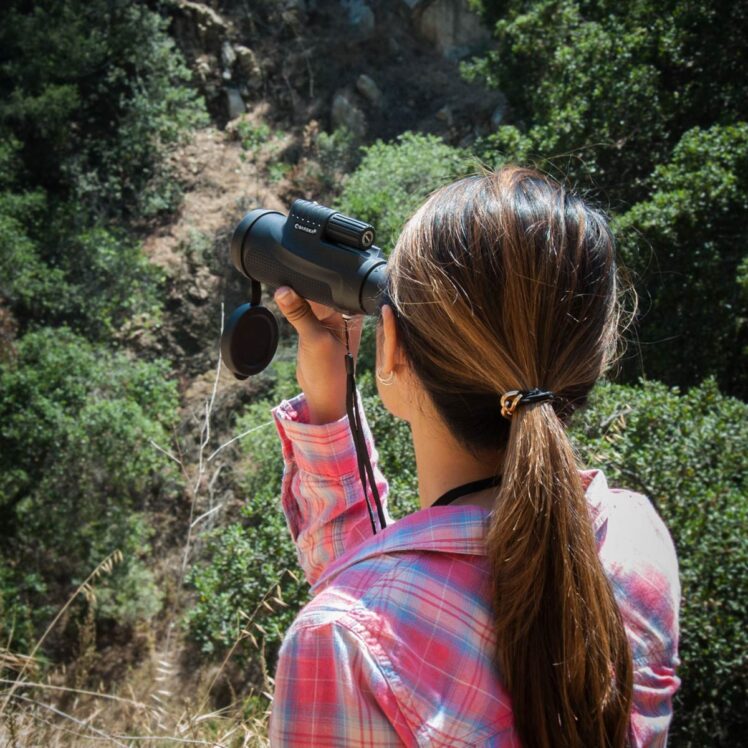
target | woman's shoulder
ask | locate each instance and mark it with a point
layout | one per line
(639, 558)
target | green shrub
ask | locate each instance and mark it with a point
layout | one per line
(246, 559)
(96, 91)
(93, 96)
(686, 242)
(629, 101)
(76, 462)
(252, 136)
(689, 453)
(17, 615)
(393, 180)
(337, 154)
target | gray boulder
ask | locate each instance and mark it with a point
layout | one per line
(360, 17)
(369, 89)
(450, 26)
(346, 114)
(234, 102)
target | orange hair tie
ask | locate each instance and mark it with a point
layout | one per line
(511, 399)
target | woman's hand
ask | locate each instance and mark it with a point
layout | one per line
(320, 366)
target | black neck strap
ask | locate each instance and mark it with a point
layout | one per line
(365, 471)
(466, 488)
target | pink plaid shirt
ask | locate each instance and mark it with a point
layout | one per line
(396, 646)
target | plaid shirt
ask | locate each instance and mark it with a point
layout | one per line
(396, 646)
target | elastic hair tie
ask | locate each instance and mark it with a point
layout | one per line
(511, 399)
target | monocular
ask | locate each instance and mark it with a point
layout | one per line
(323, 255)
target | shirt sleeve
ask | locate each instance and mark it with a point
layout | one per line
(647, 589)
(330, 691)
(321, 494)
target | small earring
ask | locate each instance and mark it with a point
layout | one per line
(388, 380)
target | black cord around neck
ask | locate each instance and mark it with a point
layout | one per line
(365, 470)
(466, 488)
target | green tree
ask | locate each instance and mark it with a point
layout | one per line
(95, 91)
(631, 102)
(686, 242)
(93, 95)
(77, 463)
(393, 180)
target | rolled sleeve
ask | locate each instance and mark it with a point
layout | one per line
(321, 495)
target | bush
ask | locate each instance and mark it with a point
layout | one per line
(95, 91)
(688, 453)
(393, 180)
(686, 242)
(629, 101)
(246, 559)
(75, 464)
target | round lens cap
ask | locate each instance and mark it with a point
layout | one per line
(249, 340)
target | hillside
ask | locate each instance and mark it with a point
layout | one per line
(147, 575)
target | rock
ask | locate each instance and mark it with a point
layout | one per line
(202, 286)
(446, 115)
(369, 89)
(346, 114)
(234, 102)
(200, 22)
(228, 55)
(360, 16)
(248, 66)
(205, 68)
(450, 26)
(499, 113)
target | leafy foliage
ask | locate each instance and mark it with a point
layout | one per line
(94, 90)
(692, 228)
(248, 558)
(393, 179)
(75, 463)
(614, 86)
(687, 452)
(92, 96)
(629, 100)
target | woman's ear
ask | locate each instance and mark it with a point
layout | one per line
(392, 356)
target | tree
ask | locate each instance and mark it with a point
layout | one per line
(625, 101)
(76, 461)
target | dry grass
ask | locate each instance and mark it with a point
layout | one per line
(161, 703)
(164, 700)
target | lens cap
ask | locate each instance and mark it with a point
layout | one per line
(249, 340)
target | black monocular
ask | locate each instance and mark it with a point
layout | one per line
(323, 255)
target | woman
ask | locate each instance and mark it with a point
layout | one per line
(526, 603)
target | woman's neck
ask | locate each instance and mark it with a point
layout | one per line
(442, 464)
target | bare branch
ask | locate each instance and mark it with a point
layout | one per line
(240, 436)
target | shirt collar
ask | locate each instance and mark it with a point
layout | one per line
(452, 529)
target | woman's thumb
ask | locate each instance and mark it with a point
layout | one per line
(296, 310)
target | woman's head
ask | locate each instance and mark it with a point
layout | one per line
(500, 282)
(508, 282)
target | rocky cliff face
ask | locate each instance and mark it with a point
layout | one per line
(297, 54)
(275, 74)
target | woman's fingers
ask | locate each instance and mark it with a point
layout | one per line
(298, 312)
(310, 318)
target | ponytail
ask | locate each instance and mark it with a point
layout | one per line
(500, 282)
(561, 644)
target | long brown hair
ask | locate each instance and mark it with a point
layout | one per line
(508, 281)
